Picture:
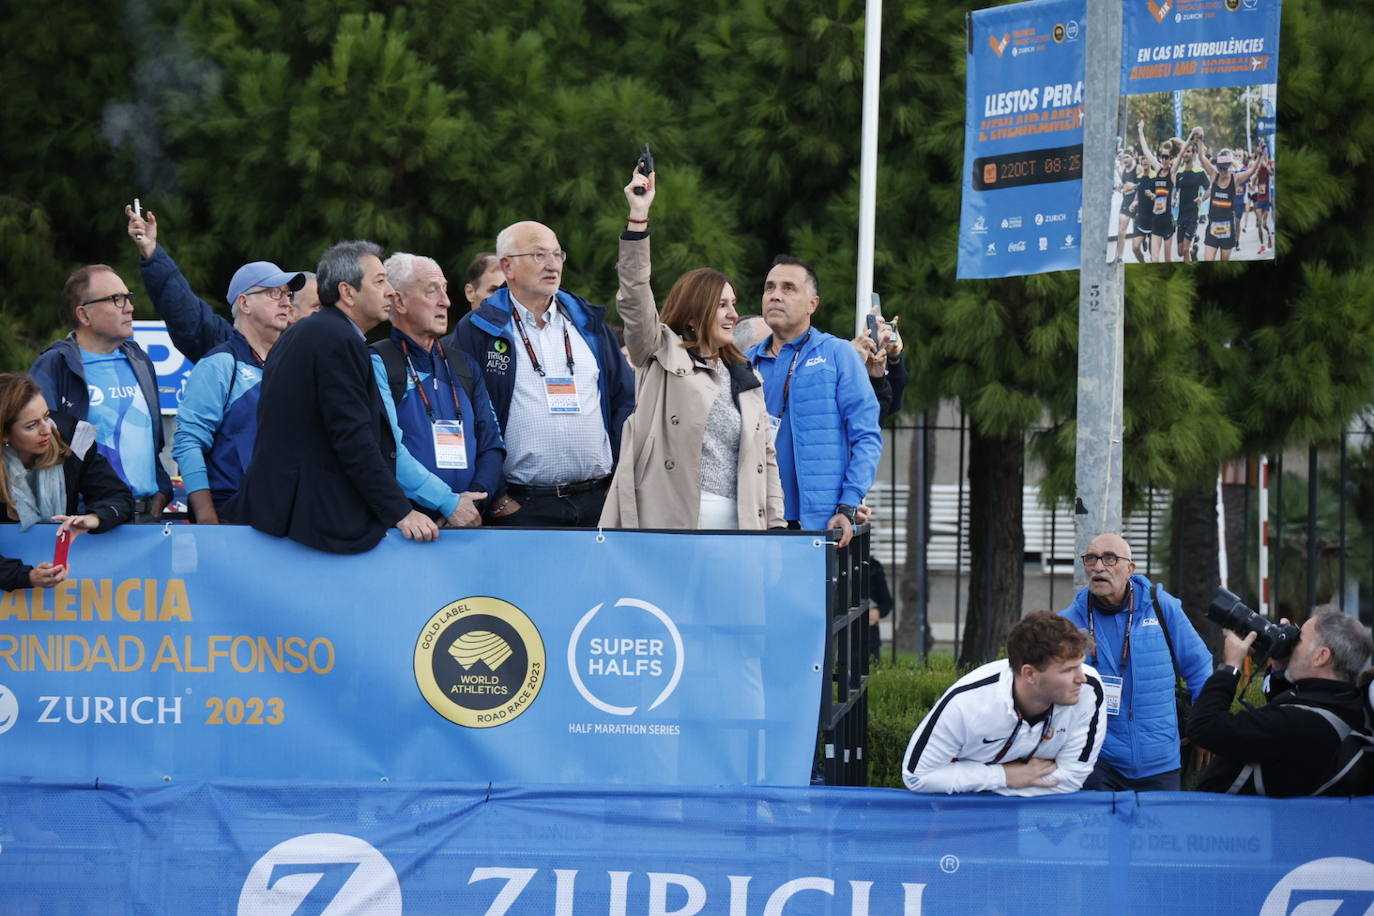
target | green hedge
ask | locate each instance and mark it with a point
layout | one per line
(899, 695)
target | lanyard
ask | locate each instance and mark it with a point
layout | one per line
(1046, 732)
(415, 377)
(1126, 642)
(787, 385)
(529, 350)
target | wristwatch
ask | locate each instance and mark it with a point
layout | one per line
(848, 512)
(1229, 669)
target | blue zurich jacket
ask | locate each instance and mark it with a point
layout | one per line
(218, 419)
(62, 376)
(1142, 738)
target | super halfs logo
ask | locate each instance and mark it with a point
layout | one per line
(479, 662)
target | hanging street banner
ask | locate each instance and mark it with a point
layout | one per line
(190, 651)
(1195, 157)
(1023, 140)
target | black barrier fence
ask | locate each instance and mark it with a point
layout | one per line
(844, 694)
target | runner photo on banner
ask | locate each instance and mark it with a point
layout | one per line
(1023, 140)
(1194, 174)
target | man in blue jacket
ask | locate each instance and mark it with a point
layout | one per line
(451, 453)
(195, 327)
(820, 403)
(1143, 642)
(558, 384)
(217, 421)
(98, 374)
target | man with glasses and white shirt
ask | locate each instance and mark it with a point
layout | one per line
(217, 421)
(557, 381)
(98, 374)
(1144, 643)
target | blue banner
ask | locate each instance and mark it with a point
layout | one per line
(385, 850)
(1198, 44)
(187, 652)
(1209, 66)
(1023, 140)
(171, 366)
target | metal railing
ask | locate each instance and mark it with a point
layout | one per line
(844, 693)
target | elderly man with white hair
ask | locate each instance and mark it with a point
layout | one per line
(451, 452)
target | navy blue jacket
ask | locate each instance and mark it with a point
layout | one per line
(323, 470)
(486, 452)
(488, 336)
(195, 327)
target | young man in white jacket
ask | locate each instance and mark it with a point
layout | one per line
(1028, 724)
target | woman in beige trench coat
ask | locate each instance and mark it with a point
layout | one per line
(697, 452)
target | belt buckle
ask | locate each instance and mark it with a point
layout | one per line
(560, 492)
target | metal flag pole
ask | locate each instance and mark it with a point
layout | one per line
(868, 161)
(1100, 286)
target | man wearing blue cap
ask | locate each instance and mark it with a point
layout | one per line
(195, 327)
(217, 421)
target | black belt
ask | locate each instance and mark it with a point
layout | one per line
(522, 491)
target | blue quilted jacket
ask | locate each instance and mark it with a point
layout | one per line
(836, 441)
(1142, 738)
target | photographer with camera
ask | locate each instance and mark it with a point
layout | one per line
(1291, 746)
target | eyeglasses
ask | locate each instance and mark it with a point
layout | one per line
(1108, 560)
(118, 300)
(276, 295)
(546, 257)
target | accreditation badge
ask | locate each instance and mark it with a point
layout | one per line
(562, 395)
(1111, 688)
(450, 448)
(773, 424)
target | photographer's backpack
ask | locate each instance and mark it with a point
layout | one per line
(1354, 760)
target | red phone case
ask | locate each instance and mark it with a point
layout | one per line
(64, 543)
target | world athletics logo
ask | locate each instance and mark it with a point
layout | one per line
(479, 662)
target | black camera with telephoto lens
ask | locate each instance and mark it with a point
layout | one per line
(1228, 611)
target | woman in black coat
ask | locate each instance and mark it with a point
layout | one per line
(43, 478)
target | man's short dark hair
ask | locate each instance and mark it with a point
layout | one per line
(343, 263)
(480, 265)
(786, 260)
(1043, 636)
(78, 287)
(1346, 637)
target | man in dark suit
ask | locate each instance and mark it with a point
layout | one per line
(323, 470)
